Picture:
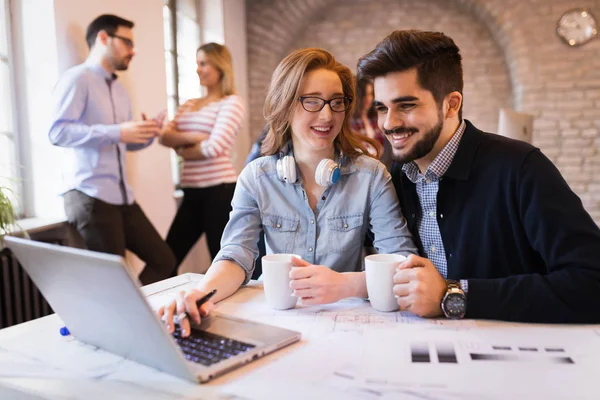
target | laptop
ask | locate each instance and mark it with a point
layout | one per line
(515, 125)
(101, 304)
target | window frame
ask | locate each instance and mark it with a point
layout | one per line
(172, 57)
(16, 171)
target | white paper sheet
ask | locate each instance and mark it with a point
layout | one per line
(323, 370)
(315, 322)
(326, 370)
(516, 363)
(506, 361)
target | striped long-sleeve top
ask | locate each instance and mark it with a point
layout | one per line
(222, 120)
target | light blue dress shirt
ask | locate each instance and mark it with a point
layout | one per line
(333, 234)
(88, 106)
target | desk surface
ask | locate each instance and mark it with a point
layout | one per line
(37, 363)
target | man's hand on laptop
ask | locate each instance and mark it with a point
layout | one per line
(183, 308)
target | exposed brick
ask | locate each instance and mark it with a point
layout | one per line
(579, 152)
(546, 124)
(571, 161)
(594, 188)
(570, 132)
(590, 133)
(579, 143)
(559, 85)
(582, 124)
(572, 104)
(512, 59)
(592, 112)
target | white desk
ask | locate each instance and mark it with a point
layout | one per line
(37, 363)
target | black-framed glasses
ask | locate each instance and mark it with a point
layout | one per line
(316, 104)
(128, 42)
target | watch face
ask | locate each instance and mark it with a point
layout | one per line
(455, 305)
(577, 26)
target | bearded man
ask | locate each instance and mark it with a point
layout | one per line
(503, 234)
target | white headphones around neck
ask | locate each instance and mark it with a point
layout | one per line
(327, 173)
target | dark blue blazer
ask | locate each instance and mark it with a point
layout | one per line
(512, 226)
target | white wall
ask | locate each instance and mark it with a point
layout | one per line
(234, 35)
(48, 55)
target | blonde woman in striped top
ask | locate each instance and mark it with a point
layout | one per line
(203, 132)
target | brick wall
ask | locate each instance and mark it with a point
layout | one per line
(512, 58)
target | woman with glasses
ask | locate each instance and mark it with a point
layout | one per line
(203, 133)
(315, 193)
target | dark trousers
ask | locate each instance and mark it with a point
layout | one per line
(202, 210)
(110, 228)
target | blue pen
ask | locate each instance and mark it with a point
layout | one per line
(64, 331)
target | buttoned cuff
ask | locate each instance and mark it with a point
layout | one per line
(464, 285)
(114, 133)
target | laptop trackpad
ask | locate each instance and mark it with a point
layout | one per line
(243, 330)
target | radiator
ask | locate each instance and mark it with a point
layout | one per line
(20, 299)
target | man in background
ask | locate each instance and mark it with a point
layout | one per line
(93, 120)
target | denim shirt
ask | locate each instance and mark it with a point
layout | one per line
(333, 234)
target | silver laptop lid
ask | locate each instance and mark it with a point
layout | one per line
(100, 303)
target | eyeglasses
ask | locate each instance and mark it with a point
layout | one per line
(316, 104)
(126, 41)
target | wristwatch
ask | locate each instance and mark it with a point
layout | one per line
(454, 303)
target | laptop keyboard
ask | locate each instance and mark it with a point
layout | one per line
(207, 348)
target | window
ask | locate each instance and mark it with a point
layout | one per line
(182, 38)
(9, 173)
(180, 16)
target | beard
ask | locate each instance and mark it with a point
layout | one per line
(121, 64)
(422, 147)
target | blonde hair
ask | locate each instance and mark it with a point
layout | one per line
(282, 98)
(220, 57)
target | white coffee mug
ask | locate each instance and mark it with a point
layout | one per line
(276, 279)
(380, 269)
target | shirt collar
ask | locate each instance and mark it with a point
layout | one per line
(98, 69)
(440, 163)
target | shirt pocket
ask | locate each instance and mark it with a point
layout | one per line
(280, 232)
(345, 232)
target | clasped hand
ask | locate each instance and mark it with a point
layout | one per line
(317, 284)
(140, 132)
(419, 287)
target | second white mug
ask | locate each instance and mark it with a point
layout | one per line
(380, 270)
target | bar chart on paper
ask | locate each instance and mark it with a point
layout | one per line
(516, 361)
(445, 353)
